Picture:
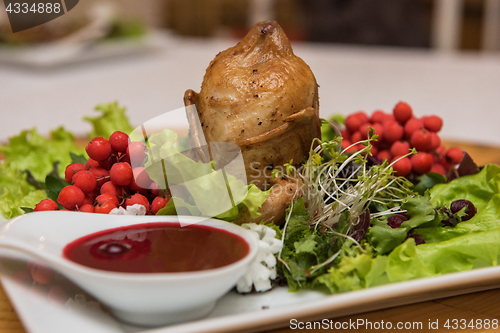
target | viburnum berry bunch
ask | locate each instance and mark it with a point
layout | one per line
(399, 132)
(108, 180)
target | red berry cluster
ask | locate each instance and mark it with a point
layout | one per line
(397, 134)
(108, 180)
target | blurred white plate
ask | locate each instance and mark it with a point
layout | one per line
(60, 54)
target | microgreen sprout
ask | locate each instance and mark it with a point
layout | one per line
(348, 183)
(334, 182)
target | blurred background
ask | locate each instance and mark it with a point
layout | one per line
(460, 24)
(457, 24)
(441, 56)
(468, 24)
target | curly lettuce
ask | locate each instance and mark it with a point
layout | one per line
(388, 255)
(112, 118)
(31, 151)
(16, 192)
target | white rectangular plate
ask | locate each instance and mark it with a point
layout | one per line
(234, 312)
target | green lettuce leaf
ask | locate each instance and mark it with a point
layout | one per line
(486, 219)
(16, 192)
(180, 207)
(478, 188)
(352, 273)
(421, 211)
(383, 238)
(482, 189)
(455, 255)
(305, 249)
(409, 261)
(298, 224)
(428, 181)
(112, 119)
(388, 256)
(31, 151)
(329, 133)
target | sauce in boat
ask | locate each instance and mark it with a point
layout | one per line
(157, 248)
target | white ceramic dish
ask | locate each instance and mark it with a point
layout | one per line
(138, 298)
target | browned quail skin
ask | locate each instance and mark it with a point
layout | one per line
(261, 96)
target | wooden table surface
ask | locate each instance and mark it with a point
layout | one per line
(476, 306)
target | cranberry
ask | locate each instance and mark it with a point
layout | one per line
(421, 163)
(98, 149)
(402, 167)
(71, 170)
(395, 221)
(119, 141)
(458, 205)
(433, 123)
(85, 181)
(402, 112)
(104, 207)
(418, 238)
(46, 204)
(70, 197)
(454, 155)
(158, 203)
(121, 174)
